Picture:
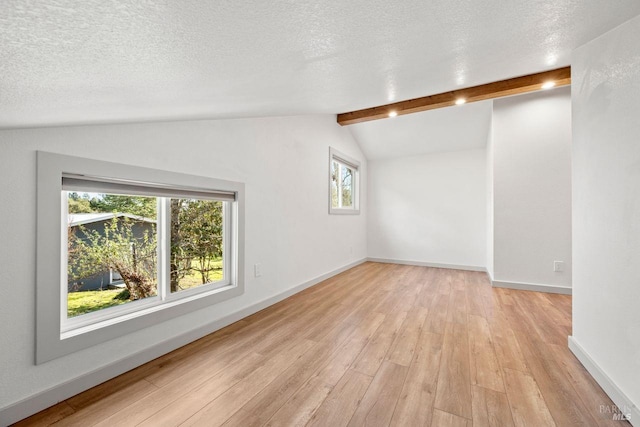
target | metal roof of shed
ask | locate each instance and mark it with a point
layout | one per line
(88, 218)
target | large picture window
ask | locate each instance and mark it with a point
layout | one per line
(136, 246)
(344, 181)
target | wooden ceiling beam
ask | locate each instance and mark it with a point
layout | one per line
(514, 86)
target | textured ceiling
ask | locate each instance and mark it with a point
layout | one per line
(69, 61)
(448, 129)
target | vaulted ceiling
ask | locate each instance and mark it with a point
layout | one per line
(90, 61)
(463, 127)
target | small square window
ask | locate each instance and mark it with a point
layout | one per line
(344, 183)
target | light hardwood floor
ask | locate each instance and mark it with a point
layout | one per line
(380, 344)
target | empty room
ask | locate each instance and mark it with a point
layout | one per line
(320, 213)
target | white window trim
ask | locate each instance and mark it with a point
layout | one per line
(355, 166)
(53, 338)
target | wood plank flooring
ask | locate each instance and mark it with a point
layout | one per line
(377, 345)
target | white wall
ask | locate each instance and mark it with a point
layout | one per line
(489, 190)
(425, 132)
(606, 202)
(429, 208)
(532, 187)
(284, 163)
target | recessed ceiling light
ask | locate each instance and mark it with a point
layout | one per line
(460, 101)
(548, 85)
(393, 113)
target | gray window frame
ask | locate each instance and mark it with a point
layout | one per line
(51, 343)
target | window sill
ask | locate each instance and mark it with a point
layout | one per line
(338, 211)
(152, 307)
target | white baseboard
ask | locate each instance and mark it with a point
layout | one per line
(496, 283)
(621, 400)
(552, 289)
(36, 403)
(429, 264)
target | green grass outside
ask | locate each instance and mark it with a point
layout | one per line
(194, 279)
(84, 302)
(87, 301)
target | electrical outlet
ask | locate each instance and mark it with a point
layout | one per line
(257, 269)
(558, 266)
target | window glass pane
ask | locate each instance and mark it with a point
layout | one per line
(347, 187)
(196, 243)
(111, 250)
(335, 171)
